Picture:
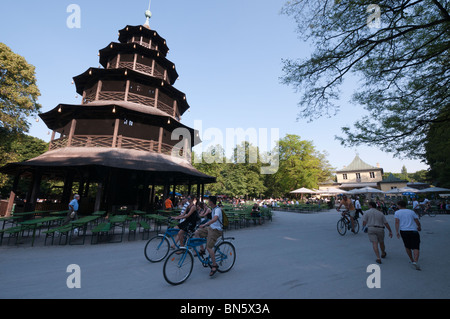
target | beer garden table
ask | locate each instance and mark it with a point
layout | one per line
(34, 223)
(118, 221)
(82, 222)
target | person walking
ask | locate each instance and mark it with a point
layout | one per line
(407, 226)
(376, 222)
(73, 210)
(358, 208)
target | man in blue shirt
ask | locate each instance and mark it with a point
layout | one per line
(73, 209)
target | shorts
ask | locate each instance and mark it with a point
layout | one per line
(352, 213)
(187, 225)
(210, 234)
(411, 239)
(376, 235)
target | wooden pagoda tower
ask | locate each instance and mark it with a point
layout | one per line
(120, 137)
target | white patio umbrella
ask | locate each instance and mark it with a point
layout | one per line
(303, 190)
(434, 190)
(398, 191)
(365, 190)
(332, 191)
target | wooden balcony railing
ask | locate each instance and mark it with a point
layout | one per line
(122, 142)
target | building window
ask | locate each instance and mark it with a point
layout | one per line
(344, 176)
(358, 176)
(372, 174)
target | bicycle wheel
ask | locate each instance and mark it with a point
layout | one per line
(356, 226)
(178, 266)
(157, 248)
(341, 226)
(225, 254)
(432, 213)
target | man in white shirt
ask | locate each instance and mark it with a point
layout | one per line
(408, 226)
(358, 207)
(211, 230)
(416, 205)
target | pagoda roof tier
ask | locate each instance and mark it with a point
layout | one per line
(129, 31)
(61, 115)
(114, 48)
(160, 166)
(87, 78)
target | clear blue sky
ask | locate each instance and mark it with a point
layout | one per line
(228, 55)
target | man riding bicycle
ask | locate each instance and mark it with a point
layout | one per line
(347, 202)
(211, 230)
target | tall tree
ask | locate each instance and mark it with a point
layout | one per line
(301, 165)
(437, 153)
(404, 173)
(247, 167)
(212, 162)
(403, 63)
(18, 91)
(237, 176)
(17, 147)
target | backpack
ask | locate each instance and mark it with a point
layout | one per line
(225, 222)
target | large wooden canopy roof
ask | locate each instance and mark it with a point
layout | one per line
(158, 166)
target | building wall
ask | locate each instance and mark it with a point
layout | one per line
(388, 186)
(363, 177)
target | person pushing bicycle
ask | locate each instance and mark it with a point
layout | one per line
(348, 204)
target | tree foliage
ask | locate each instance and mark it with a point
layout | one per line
(17, 147)
(437, 150)
(403, 66)
(299, 165)
(18, 91)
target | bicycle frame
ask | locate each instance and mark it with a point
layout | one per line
(196, 242)
(348, 223)
(171, 232)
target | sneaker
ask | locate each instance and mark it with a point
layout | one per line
(416, 265)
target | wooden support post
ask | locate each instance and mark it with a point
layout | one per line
(51, 141)
(161, 132)
(72, 132)
(116, 131)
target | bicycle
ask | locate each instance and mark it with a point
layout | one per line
(422, 210)
(157, 247)
(179, 264)
(344, 223)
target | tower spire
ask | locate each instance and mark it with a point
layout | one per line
(148, 15)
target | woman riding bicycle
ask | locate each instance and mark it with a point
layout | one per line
(190, 220)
